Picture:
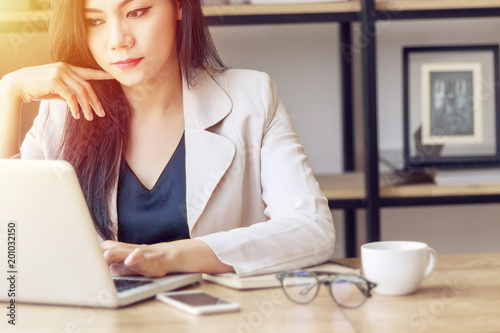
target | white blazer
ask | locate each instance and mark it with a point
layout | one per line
(250, 192)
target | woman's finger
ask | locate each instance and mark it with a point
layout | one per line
(135, 256)
(108, 244)
(90, 94)
(121, 270)
(62, 81)
(127, 268)
(67, 95)
(91, 74)
(76, 79)
(111, 244)
(147, 262)
(124, 258)
(79, 89)
(117, 255)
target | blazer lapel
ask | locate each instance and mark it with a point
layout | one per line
(208, 155)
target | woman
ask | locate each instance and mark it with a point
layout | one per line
(186, 166)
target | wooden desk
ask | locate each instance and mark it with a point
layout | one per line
(266, 310)
(462, 295)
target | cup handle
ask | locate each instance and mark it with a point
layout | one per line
(432, 262)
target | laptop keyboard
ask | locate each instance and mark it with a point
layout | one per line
(126, 284)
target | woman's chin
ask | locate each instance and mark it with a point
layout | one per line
(128, 82)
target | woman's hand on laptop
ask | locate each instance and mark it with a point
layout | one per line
(183, 256)
(61, 81)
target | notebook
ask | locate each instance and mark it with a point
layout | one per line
(49, 249)
(269, 280)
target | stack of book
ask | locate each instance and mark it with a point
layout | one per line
(269, 280)
(482, 176)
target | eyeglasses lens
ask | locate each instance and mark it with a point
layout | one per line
(348, 293)
(300, 287)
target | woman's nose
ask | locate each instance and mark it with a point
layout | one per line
(120, 36)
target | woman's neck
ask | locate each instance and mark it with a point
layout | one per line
(159, 96)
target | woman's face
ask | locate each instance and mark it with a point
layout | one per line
(133, 40)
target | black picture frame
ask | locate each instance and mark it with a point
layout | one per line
(451, 97)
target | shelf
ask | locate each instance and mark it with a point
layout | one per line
(433, 9)
(346, 6)
(343, 11)
(311, 8)
(348, 188)
(435, 4)
(349, 185)
(433, 190)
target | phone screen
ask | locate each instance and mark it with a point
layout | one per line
(198, 299)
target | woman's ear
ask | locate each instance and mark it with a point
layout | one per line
(179, 10)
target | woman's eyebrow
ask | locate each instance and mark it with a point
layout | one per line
(95, 10)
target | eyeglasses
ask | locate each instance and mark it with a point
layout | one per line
(347, 290)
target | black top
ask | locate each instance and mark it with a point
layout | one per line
(156, 215)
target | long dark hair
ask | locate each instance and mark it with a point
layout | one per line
(95, 147)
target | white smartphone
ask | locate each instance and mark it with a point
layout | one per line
(197, 302)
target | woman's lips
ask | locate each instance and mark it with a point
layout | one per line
(128, 63)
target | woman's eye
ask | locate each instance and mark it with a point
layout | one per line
(136, 13)
(93, 22)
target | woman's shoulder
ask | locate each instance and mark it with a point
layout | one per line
(242, 77)
(245, 84)
(236, 73)
(252, 93)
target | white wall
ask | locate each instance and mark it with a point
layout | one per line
(303, 60)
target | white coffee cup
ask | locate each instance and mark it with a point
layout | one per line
(398, 267)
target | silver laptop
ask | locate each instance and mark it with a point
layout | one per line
(49, 248)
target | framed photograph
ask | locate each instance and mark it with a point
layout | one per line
(450, 97)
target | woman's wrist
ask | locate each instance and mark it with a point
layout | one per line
(191, 256)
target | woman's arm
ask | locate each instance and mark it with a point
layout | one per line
(59, 80)
(10, 119)
(187, 256)
(299, 231)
